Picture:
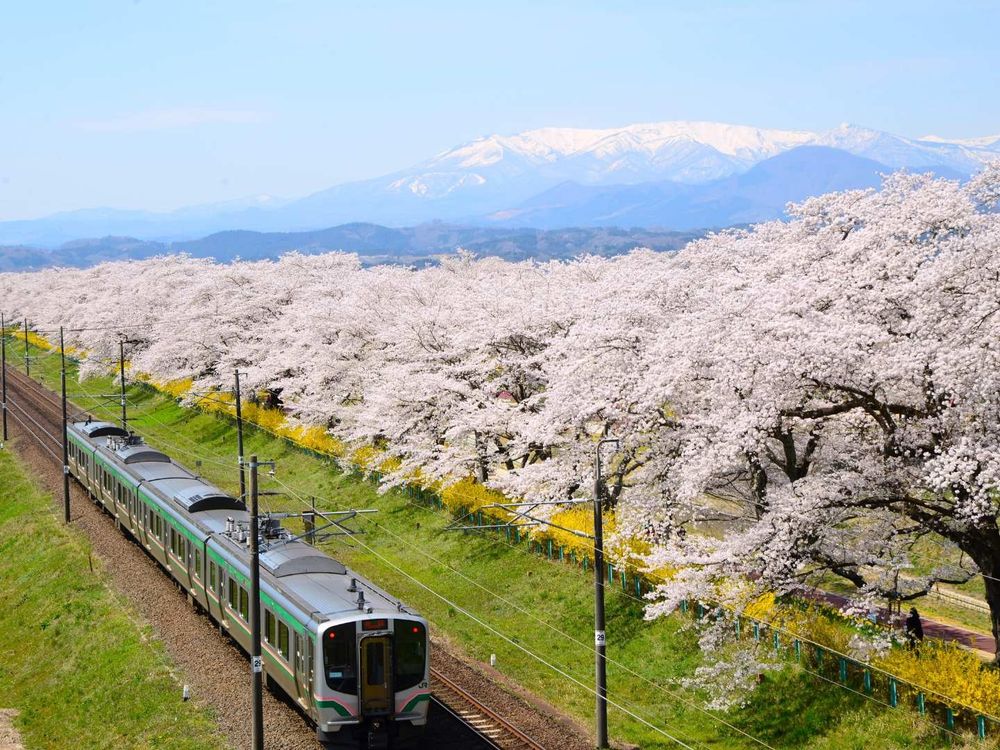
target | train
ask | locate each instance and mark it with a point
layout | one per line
(352, 658)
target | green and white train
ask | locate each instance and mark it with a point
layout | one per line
(352, 658)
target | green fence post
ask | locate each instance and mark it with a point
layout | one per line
(739, 626)
(550, 549)
(843, 669)
(798, 650)
(699, 611)
(981, 726)
(756, 631)
(611, 571)
(921, 704)
(624, 581)
(893, 693)
(819, 655)
(949, 718)
(517, 536)
(868, 681)
(638, 586)
(506, 532)
(777, 641)
(562, 553)
(684, 606)
(586, 562)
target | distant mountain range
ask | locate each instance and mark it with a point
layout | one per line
(375, 244)
(678, 175)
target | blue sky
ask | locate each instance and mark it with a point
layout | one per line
(154, 104)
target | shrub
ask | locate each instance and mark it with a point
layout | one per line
(948, 670)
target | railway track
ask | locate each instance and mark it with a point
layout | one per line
(462, 722)
(489, 724)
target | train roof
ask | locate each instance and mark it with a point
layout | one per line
(140, 453)
(99, 429)
(319, 585)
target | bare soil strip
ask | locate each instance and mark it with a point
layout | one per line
(9, 737)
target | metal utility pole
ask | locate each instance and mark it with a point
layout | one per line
(27, 365)
(65, 433)
(121, 372)
(256, 665)
(600, 638)
(3, 358)
(239, 440)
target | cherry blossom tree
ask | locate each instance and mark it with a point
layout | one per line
(813, 395)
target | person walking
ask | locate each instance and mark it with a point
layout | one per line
(914, 628)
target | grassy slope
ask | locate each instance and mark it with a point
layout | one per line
(80, 669)
(792, 711)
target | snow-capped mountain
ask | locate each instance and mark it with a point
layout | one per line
(500, 175)
(689, 152)
(497, 172)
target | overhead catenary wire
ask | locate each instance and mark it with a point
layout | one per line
(513, 642)
(294, 493)
(783, 631)
(567, 636)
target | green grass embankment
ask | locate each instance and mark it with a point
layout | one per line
(74, 660)
(498, 583)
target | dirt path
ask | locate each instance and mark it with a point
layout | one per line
(932, 628)
(9, 737)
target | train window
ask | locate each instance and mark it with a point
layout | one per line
(269, 626)
(197, 563)
(211, 575)
(410, 650)
(244, 604)
(233, 597)
(340, 658)
(374, 662)
(283, 640)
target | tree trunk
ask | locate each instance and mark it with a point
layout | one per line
(991, 578)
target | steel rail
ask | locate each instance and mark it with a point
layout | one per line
(39, 389)
(41, 443)
(465, 723)
(503, 723)
(16, 406)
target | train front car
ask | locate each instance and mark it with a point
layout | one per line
(375, 688)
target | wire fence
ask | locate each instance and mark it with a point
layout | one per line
(818, 659)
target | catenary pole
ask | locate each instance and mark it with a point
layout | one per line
(256, 665)
(65, 431)
(121, 372)
(27, 365)
(239, 440)
(3, 375)
(600, 637)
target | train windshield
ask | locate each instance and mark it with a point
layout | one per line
(410, 650)
(340, 661)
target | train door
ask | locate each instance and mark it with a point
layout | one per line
(304, 668)
(376, 675)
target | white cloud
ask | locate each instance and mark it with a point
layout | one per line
(172, 118)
